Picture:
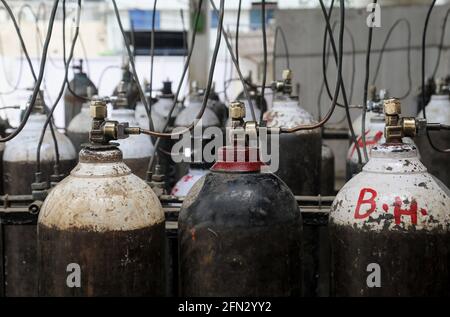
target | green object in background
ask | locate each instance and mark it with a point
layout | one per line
(201, 22)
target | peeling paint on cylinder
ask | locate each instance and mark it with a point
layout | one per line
(109, 222)
(375, 124)
(19, 166)
(19, 157)
(396, 216)
(300, 153)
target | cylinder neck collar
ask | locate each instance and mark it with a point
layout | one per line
(238, 159)
(97, 153)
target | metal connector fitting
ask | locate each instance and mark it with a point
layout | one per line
(237, 111)
(287, 75)
(98, 109)
(39, 190)
(392, 107)
(397, 128)
(421, 126)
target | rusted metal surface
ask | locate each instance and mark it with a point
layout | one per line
(19, 233)
(17, 247)
(438, 111)
(300, 152)
(18, 176)
(15, 210)
(397, 216)
(108, 221)
(234, 241)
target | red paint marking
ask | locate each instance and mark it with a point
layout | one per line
(378, 136)
(399, 212)
(187, 178)
(362, 201)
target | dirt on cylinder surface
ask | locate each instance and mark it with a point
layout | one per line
(18, 176)
(409, 263)
(114, 263)
(240, 235)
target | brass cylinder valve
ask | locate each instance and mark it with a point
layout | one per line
(396, 127)
(121, 102)
(284, 86)
(237, 113)
(102, 130)
(241, 132)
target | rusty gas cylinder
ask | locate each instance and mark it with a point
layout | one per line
(240, 232)
(19, 167)
(300, 152)
(390, 228)
(108, 224)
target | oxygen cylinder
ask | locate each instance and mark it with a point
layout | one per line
(19, 157)
(79, 127)
(390, 225)
(163, 106)
(226, 218)
(374, 126)
(185, 118)
(79, 85)
(438, 111)
(131, 86)
(184, 185)
(300, 152)
(137, 150)
(160, 115)
(188, 114)
(105, 226)
(19, 167)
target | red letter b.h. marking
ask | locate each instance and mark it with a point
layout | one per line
(362, 200)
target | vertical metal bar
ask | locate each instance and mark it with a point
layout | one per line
(2, 260)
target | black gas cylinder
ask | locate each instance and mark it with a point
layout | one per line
(240, 232)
